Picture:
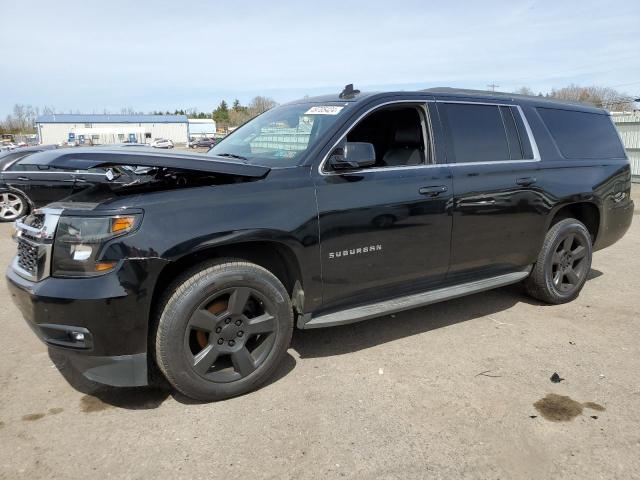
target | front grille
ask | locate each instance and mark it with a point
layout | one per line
(28, 257)
(34, 236)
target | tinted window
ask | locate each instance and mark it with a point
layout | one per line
(515, 148)
(24, 166)
(7, 159)
(475, 133)
(582, 134)
(21, 167)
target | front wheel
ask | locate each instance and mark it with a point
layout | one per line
(563, 264)
(12, 206)
(223, 330)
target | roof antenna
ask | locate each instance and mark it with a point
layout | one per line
(349, 92)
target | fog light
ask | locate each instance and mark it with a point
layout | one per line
(77, 336)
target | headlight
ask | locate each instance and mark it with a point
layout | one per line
(79, 241)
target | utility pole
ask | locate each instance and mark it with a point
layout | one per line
(493, 86)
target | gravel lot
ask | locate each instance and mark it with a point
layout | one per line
(445, 391)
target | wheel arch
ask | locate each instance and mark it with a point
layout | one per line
(586, 212)
(277, 257)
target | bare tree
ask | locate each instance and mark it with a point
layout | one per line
(260, 105)
(524, 91)
(238, 116)
(603, 97)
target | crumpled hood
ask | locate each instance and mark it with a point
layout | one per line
(85, 158)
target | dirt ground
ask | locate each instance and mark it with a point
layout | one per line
(446, 391)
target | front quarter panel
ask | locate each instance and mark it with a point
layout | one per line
(280, 208)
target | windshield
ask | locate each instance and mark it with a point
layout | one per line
(279, 136)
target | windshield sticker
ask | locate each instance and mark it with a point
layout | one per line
(324, 110)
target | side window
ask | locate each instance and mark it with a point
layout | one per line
(475, 133)
(582, 134)
(26, 167)
(12, 158)
(398, 135)
(19, 167)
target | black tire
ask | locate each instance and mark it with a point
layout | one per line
(563, 264)
(221, 312)
(13, 205)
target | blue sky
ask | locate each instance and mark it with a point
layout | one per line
(94, 55)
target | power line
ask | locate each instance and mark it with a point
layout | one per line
(493, 86)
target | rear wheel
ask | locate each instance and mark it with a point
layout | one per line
(223, 330)
(12, 206)
(563, 263)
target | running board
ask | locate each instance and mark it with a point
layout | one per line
(387, 307)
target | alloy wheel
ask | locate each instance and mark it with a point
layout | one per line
(569, 263)
(11, 206)
(230, 334)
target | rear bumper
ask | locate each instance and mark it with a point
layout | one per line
(100, 325)
(616, 221)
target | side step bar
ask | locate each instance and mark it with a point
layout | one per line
(394, 305)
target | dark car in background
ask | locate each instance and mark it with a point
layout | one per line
(203, 143)
(25, 186)
(13, 203)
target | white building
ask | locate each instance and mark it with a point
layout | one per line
(201, 127)
(628, 124)
(106, 129)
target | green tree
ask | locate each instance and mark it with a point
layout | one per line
(237, 107)
(221, 114)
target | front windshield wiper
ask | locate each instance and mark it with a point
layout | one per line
(231, 155)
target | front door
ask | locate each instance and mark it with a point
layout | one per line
(385, 230)
(41, 183)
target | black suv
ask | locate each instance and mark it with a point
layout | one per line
(319, 212)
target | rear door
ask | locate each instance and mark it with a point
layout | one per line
(498, 209)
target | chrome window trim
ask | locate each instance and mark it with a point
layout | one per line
(525, 122)
(23, 172)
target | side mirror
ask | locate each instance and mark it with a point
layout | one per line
(353, 155)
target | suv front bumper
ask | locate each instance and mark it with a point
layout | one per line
(99, 324)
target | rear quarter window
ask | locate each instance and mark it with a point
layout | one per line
(582, 134)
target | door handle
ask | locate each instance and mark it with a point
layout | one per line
(68, 180)
(526, 181)
(24, 179)
(433, 191)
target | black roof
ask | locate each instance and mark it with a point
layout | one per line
(448, 92)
